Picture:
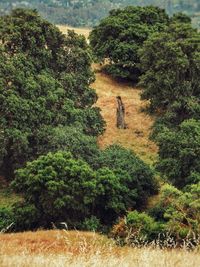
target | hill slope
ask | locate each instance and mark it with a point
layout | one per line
(136, 136)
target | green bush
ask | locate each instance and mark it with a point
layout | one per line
(179, 210)
(26, 216)
(6, 217)
(57, 187)
(92, 224)
(134, 174)
(137, 229)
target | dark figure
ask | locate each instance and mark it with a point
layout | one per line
(120, 114)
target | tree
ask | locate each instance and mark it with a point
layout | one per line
(57, 187)
(133, 173)
(179, 149)
(170, 62)
(119, 37)
(44, 78)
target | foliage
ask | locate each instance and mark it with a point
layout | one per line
(45, 80)
(170, 82)
(92, 224)
(90, 12)
(6, 217)
(132, 172)
(173, 221)
(58, 187)
(119, 36)
(180, 210)
(137, 228)
(170, 62)
(179, 152)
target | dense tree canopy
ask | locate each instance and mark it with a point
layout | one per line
(179, 153)
(45, 80)
(119, 37)
(170, 62)
(57, 187)
(132, 171)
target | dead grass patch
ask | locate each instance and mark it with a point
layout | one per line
(136, 136)
(73, 248)
(82, 31)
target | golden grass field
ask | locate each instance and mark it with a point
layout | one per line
(84, 249)
(136, 136)
(82, 31)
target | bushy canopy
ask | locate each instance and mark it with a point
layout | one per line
(119, 37)
(138, 176)
(44, 85)
(57, 187)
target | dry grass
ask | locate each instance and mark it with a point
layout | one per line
(62, 248)
(136, 137)
(82, 31)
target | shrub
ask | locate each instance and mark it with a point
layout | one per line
(6, 217)
(137, 228)
(133, 173)
(57, 187)
(92, 224)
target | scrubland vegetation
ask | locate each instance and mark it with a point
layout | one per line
(64, 162)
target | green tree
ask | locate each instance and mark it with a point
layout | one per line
(133, 173)
(170, 62)
(119, 37)
(179, 153)
(57, 187)
(44, 78)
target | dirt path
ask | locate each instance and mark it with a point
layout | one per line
(136, 135)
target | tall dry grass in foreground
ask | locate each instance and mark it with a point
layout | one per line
(84, 249)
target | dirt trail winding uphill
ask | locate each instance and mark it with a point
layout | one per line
(135, 137)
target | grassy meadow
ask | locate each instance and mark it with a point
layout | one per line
(77, 249)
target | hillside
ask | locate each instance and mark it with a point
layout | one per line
(136, 136)
(74, 249)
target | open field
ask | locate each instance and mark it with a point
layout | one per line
(63, 248)
(136, 136)
(83, 31)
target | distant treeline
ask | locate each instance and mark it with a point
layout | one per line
(88, 13)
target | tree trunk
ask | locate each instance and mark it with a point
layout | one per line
(120, 114)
